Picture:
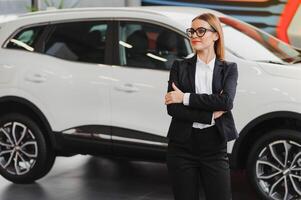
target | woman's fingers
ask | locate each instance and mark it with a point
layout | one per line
(169, 95)
(168, 101)
(217, 114)
(168, 98)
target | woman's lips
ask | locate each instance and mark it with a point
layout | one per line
(195, 41)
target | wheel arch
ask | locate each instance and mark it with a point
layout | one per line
(18, 104)
(257, 128)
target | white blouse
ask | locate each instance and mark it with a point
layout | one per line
(203, 84)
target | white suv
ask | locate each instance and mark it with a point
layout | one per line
(93, 81)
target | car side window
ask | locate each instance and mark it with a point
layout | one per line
(78, 41)
(26, 39)
(150, 46)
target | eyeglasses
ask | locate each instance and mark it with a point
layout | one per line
(200, 32)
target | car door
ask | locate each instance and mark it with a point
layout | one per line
(146, 52)
(70, 78)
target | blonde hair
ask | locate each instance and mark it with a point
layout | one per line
(214, 22)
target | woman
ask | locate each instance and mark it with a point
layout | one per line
(201, 90)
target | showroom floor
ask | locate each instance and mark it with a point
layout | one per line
(91, 178)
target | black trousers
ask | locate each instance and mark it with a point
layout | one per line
(199, 165)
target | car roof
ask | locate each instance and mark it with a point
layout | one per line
(178, 17)
(163, 10)
(178, 14)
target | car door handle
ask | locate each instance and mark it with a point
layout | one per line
(36, 78)
(127, 87)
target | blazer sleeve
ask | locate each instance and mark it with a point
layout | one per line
(178, 110)
(218, 102)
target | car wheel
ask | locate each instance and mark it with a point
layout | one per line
(274, 165)
(25, 155)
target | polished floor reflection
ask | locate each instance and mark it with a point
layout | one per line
(91, 178)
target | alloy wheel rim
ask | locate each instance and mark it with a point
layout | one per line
(278, 170)
(18, 148)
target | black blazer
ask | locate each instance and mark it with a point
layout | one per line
(201, 106)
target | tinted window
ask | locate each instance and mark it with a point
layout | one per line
(78, 41)
(150, 46)
(26, 39)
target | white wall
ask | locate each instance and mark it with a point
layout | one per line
(8, 7)
(91, 3)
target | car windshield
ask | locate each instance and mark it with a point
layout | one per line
(261, 45)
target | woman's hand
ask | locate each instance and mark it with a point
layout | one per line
(218, 114)
(175, 96)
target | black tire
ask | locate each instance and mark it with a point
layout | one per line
(273, 163)
(33, 156)
(49, 162)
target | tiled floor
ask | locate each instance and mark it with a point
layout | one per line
(91, 178)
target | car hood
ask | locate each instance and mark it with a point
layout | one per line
(292, 71)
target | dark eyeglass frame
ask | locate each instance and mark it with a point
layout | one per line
(191, 31)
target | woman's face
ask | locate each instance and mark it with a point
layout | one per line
(205, 42)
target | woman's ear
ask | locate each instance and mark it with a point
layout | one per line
(216, 36)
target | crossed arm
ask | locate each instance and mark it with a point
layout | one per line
(213, 102)
(180, 111)
(201, 106)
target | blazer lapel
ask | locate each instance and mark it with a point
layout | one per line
(191, 71)
(217, 73)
